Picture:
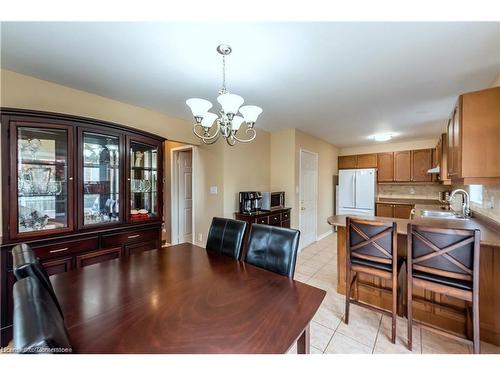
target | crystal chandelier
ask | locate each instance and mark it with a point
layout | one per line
(209, 127)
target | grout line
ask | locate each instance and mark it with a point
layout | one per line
(378, 331)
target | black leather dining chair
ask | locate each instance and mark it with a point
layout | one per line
(26, 264)
(226, 236)
(273, 248)
(38, 326)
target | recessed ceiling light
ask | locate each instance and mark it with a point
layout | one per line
(382, 137)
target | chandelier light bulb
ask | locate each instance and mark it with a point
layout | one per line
(198, 106)
(250, 113)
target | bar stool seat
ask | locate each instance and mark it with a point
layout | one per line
(378, 265)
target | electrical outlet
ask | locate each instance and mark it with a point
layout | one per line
(200, 237)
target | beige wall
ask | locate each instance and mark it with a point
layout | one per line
(21, 91)
(389, 147)
(285, 169)
(246, 167)
(283, 165)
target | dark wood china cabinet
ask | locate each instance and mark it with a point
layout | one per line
(79, 191)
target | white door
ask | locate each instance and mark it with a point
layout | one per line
(347, 192)
(365, 189)
(308, 197)
(185, 164)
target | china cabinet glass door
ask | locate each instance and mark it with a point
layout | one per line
(44, 180)
(143, 181)
(101, 178)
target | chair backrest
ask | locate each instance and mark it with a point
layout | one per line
(26, 264)
(226, 236)
(452, 253)
(371, 240)
(38, 326)
(273, 248)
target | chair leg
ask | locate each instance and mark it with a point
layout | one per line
(394, 307)
(409, 313)
(347, 295)
(475, 324)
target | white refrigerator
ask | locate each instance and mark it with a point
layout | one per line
(356, 192)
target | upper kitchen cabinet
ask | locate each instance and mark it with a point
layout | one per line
(358, 161)
(442, 159)
(402, 166)
(473, 136)
(421, 161)
(385, 162)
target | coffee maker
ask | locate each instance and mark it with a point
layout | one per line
(250, 201)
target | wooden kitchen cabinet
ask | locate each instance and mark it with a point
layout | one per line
(473, 136)
(384, 210)
(421, 161)
(402, 211)
(402, 166)
(385, 163)
(347, 162)
(358, 161)
(367, 161)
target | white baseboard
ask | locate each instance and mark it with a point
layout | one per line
(324, 235)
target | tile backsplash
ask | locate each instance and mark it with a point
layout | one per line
(420, 191)
(490, 207)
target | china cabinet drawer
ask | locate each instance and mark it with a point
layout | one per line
(99, 256)
(58, 265)
(68, 247)
(140, 247)
(285, 216)
(124, 238)
(275, 219)
(261, 220)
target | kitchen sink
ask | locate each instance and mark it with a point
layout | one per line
(439, 214)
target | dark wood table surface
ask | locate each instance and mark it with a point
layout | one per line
(183, 299)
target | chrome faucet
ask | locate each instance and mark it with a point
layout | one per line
(465, 204)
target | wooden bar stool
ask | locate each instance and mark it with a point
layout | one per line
(444, 261)
(371, 248)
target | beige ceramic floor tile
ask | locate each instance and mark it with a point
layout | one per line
(313, 262)
(341, 344)
(434, 343)
(384, 344)
(301, 277)
(315, 350)
(363, 325)
(320, 336)
(327, 317)
(306, 270)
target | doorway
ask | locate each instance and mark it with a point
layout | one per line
(182, 202)
(308, 197)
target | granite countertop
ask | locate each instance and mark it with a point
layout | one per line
(490, 230)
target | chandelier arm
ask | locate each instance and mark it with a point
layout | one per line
(230, 141)
(202, 136)
(252, 137)
(210, 142)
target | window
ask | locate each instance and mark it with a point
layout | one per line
(476, 193)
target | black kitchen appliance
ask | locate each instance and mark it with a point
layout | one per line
(249, 201)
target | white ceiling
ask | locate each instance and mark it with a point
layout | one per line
(339, 81)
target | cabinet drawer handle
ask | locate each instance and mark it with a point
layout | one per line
(58, 250)
(135, 236)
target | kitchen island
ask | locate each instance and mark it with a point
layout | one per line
(425, 302)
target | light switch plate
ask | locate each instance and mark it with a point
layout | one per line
(213, 189)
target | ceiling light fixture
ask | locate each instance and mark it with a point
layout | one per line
(382, 137)
(229, 122)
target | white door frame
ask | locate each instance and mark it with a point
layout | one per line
(315, 188)
(174, 183)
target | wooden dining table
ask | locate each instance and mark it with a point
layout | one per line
(184, 299)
